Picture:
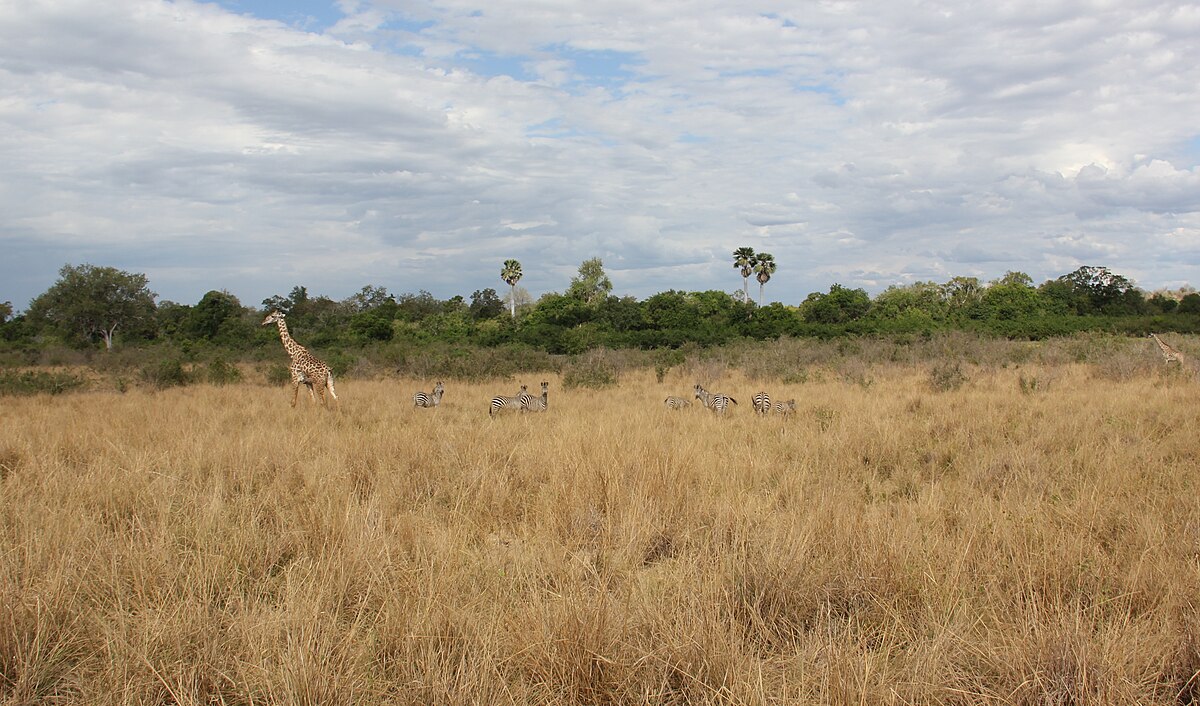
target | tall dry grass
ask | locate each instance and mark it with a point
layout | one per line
(999, 542)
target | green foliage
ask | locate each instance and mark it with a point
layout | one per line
(89, 302)
(839, 306)
(591, 285)
(220, 371)
(164, 373)
(34, 382)
(485, 304)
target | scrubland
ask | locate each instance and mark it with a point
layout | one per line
(975, 534)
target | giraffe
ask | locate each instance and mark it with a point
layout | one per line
(1169, 354)
(306, 368)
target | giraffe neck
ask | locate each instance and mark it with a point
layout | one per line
(289, 344)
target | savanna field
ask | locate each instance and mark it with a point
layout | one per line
(1017, 525)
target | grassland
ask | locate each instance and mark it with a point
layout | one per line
(996, 534)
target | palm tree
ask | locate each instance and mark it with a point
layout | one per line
(764, 267)
(511, 274)
(744, 260)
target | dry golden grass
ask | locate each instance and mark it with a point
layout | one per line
(1002, 542)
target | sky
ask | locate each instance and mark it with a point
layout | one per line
(253, 146)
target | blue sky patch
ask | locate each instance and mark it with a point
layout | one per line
(308, 15)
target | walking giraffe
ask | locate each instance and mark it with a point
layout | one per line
(306, 368)
(1169, 354)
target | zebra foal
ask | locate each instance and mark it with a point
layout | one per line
(717, 402)
(673, 402)
(785, 408)
(515, 403)
(423, 399)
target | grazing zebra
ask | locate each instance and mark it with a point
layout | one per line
(785, 408)
(515, 403)
(423, 399)
(762, 403)
(717, 402)
(539, 404)
(673, 402)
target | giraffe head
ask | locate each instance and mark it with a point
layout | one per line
(273, 317)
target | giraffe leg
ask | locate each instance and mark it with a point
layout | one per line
(295, 392)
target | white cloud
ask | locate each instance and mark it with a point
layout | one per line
(418, 143)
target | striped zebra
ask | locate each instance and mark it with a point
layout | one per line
(762, 403)
(539, 404)
(515, 403)
(717, 402)
(423, 399)
(785, 408)
(673, 402)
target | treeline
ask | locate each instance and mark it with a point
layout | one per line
(91, 304)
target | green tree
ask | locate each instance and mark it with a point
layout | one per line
(1098, 290)
(962, 295)
(591, 285)
(204, 321)
(369, 297)
(511, 274)
(764, 267)
(89, 301)
(744, 260)
(839, 306)
(485, 304)
(6, 310)
(1189, 304)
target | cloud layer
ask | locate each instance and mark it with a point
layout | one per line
(416, 144)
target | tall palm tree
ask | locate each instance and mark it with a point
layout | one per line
(744, 260)
(764, 267)
(511, 274)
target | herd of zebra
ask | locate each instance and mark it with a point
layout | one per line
(525, 402)
(719, 403)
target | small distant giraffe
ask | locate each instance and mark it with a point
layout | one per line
(1169, 354)
(306, 368)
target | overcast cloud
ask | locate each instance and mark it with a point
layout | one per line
(417, 144)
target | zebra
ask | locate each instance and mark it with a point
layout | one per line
(785, 408)
(517, 402)
(539, 404)
(423, 399)
(673, 402)
(717, 402)
(762, 403)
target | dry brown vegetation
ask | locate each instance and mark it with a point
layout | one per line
(1027, 535)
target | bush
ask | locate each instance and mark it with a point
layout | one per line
(593, 370)
(944, 377)
(222, 372)
(165, 373)
(37, 382)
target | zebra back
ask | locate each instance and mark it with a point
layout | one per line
(717, 402)
(762, 403)
(517, 402)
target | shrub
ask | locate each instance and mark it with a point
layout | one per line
(222, 372)
(593, 370)
(32, 382)
(944, 377)
(167, 372)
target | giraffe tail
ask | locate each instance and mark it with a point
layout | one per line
(329, 383)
